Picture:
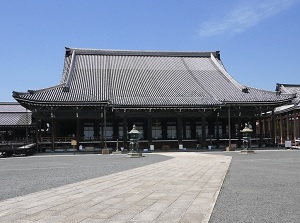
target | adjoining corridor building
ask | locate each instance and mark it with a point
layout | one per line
(288, 116)
(176, 99)
(15, 124)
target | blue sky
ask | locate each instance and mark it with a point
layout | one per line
(259, 40)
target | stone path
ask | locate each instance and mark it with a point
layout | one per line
(182, 189)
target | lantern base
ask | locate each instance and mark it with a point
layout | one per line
(105, 151)
(117, 152)
(134, 154)
(247, 151)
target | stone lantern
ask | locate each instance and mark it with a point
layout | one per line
(247, 140)
(134, 136)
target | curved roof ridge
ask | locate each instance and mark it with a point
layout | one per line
(70, 73)
(282, 88)
(197, 81)
(39, 90)
(267, 91)
(225, 73)
(274, 92)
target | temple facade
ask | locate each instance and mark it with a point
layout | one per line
(175, 99)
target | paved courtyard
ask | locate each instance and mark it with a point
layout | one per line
(178, 187)
(160, 187)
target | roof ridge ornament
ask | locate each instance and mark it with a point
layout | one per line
(296, 101)
(245, 90)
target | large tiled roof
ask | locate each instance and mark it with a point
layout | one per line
(147, 79)
(289, 89)
(13, 114)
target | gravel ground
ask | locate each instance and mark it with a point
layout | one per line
(263, 187)
(24, 175)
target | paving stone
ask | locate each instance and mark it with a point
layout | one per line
(147, 215)
(39, 215)
(106, 213)
(193, 217)
(172, 213)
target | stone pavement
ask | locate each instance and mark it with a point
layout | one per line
(181, 189)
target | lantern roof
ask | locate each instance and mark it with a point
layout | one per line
(134, 130)
(246, 130)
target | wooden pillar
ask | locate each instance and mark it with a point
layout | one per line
(149, 135)
(203, 126)
(253, 123)
(295, 126)
(298, 125)
(260, 131)
(104, 121)
(269, 126)
(125, 131)
(273, 124)
(39, 128)
(229, 128)
(78, 131)
(102, 129)
(37, 132)
(179, 129)
(239, 132)
(264, 127)
(218, 131)
(287, 126)
(52, 132)
(281, 134)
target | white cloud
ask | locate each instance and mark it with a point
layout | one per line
(246, 15)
